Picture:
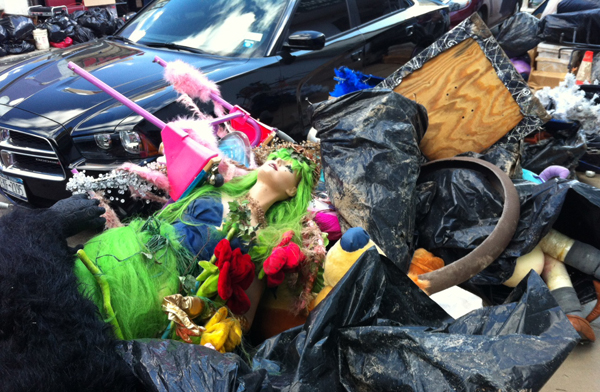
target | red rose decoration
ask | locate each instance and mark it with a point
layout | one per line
(236, 273)
(286, 257)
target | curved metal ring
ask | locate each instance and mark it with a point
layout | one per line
(482, 256)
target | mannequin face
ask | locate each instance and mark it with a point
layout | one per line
(279, 176)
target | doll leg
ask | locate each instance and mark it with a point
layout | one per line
(556, 277)
(533, 260)
(583, 257)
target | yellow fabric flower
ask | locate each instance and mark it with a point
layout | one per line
(223, 332)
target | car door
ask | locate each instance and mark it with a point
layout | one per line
(395, 31)
(308, 75)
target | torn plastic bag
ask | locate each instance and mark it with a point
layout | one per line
(19, 47)
(376, 331)
(565, 146)
(370, 153)
(518, 34)
(580, 27)
(17, 27)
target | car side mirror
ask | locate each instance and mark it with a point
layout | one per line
(306, 40)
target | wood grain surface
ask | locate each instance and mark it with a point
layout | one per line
(469, 107)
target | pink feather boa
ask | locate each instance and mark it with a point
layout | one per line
(186, 79)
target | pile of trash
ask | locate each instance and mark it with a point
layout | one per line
(81, 26)
(493, 191)
(16, 32)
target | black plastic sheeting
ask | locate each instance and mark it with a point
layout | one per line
(370, 154)
(376, 331)
(580, 27)
(518, 34)
(566, 146)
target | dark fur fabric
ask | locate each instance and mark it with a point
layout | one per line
(51, 337)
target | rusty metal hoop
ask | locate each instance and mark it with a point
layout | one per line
(482, 256)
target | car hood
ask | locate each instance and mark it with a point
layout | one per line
(45, 86)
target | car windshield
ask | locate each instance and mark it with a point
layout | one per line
(238, 28)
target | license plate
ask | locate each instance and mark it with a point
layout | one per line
(13, 186)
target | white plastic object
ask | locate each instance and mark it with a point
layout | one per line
(41, 39)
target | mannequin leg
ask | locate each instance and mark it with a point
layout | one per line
(556, 277)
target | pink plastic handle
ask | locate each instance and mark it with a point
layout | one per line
(228, 106)
(116, 95)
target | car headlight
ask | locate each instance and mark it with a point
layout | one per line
(124, 145)
(131, 141)
(4, 135)
(103, 140)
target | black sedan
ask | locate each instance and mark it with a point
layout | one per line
(52, 121)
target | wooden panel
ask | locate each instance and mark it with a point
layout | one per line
(469, 107)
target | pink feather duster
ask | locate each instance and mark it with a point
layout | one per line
(200, 131)
(186, 79)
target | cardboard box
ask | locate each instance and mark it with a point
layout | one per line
(541, 79)
(94, 3)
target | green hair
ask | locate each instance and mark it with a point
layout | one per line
(282, 216)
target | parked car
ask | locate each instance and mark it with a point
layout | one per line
(493, 12)
(52, 121)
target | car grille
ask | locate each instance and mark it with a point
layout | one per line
(37, 164)
(30, 156)
(20, 139)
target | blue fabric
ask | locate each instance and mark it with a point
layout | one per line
(198, 228)
(354, 239)
(531, 176)
(349, 81)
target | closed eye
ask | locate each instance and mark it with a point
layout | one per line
(289, 167)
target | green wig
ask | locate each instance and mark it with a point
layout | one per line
(282, 216)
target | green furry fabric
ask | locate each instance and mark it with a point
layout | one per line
(140, 262)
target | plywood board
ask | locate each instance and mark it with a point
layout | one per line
(469, 107)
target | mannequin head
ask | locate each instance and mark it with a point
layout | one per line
(279, 177)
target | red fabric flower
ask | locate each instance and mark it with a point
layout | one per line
(236, 273)
(286, 257)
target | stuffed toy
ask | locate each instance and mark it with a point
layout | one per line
(51, 337)
(356, 241)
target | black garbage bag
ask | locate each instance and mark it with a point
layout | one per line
(82, 34)
(100, 21)
(55, 33)
(167, 365)
(566, 146)
(17, 27)
(370, 153)
(2, 51)
(376, 331)
(3, 34)
(579, 27)
(518, 34)
(18, 47)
